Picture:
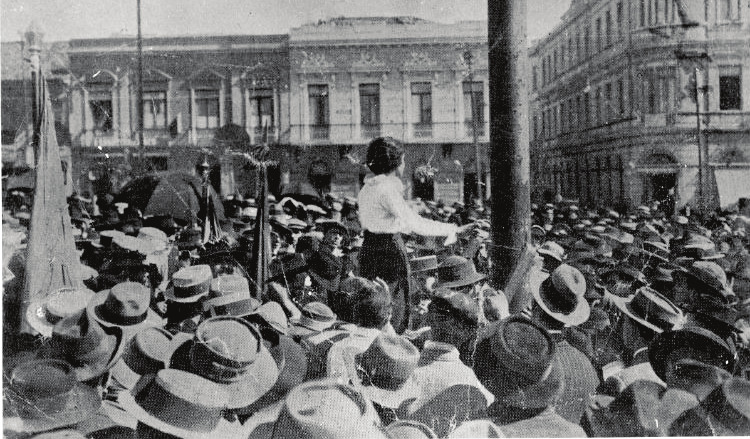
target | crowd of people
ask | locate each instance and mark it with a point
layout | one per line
(626, 324)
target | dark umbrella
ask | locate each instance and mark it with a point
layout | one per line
(176, 194)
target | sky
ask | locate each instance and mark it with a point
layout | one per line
(69, 19)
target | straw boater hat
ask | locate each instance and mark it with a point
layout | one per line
(127, 306)
(230, 295)
(44, 395)
(229, 351)
(146, 353)
(180, 404)
(42, 314)
(561, 296)
(190, 284)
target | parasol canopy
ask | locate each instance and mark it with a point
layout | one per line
(175, 194)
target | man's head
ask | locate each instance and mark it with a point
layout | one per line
(453, 317)
(372, 305)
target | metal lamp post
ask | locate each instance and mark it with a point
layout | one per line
(468, 58)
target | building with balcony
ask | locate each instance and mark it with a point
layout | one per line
(641, 100)
(321, 92)
(354, 79)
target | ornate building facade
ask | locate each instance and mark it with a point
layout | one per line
(641, 100)
(321, 92)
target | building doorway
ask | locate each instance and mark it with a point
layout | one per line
(659, 181)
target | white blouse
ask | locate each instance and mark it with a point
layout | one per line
(383, 209)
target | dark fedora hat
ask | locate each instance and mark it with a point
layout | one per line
(690, 342)
(724, 412)
(44, 395)
(457, 271)
(561, 296)
(518, 359)
(458, 306)
(126, 305)
(385, 368)
(651, 309)
(180, 404)
(712, 277)
(85, 344)
(423, 263)
(329, 224)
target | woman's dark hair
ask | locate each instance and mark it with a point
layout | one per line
(384, 155)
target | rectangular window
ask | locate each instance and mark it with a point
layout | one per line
(642, 13)
(586, 41)
(571, 52)
(586, 110)
(621, 95)
(730, 88)
(598, 34)
(729, 10)
(369, 110)
(578, 47)
(598, 106)
(261, 113)
(207, 109)
(554, 63)
(100, 103)
(579, 112)
(607, 102)
(318, 110)
(563, 119)
(562, 57)
(474, 107)
(659, 87)
(608, 28)
(155, 110)
(571, 115)
(535, 127)
(421, 104)
(620, 20)
(533, 78)
(658, 13)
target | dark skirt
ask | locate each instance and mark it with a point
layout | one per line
(384, 255)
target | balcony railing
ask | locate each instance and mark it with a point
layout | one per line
(441, 132)
(422, 129)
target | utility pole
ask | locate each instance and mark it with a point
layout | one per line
(468, 58)
(509, 136)
(33, 37)
(140, 89)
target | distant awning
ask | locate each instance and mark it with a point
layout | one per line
(732, 184)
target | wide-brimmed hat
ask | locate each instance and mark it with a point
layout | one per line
(519, 358)
(84, 343)
(126, 305)
(329, 224)
(407, 429)
(457, 271)
(273, 315)
(181, 404)
(724, 412)
(644, 408)
(651, 309)
(713, 350)
(229, 351)
(105, 238)
(561, 296)
(315, 317)
(147, 352)
(712, 277)
(44, 395)
(158, 238)
(42, 314)
(552, 249)
(326, 409)
(190, 284)
(458, 306)
(383, 371)
(423, 263)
